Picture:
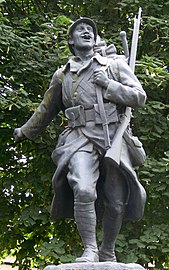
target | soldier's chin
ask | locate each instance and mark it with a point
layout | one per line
(86, 47)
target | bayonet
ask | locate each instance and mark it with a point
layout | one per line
(135, 37)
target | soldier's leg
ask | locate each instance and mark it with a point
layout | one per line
(116, 192)
(83, 175)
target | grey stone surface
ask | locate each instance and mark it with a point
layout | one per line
(96, 266)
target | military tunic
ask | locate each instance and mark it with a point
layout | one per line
(72, 86)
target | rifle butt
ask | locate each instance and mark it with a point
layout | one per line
(113, 154)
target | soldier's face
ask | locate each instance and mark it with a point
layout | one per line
(83, 37)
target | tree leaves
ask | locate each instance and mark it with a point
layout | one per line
(33, 45)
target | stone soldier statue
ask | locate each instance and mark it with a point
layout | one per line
(93, 91)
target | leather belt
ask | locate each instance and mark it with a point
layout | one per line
(78, 115)
(90, 115)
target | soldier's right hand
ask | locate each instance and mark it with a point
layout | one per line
(101, 78)
(18, 134)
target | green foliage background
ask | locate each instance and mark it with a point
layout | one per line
(33, 45)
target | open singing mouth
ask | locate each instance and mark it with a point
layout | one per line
(86, 36)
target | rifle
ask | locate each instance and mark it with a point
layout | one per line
(114, 153)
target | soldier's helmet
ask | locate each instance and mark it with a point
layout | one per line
(73, 26)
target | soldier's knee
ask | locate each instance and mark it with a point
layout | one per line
(115, 209)
(85, 195)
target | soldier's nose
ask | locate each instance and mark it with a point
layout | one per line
(85, 30)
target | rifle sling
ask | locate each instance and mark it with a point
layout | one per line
(103, 117)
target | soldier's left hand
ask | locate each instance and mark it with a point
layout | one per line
(100, 78)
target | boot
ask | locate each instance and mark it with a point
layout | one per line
(85, 218)
(111, 228)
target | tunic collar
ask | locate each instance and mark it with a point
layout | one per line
(77, 65)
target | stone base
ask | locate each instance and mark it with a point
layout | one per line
(96, 266)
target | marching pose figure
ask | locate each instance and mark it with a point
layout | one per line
(93, 91)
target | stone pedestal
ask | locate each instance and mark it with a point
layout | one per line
(96, 266)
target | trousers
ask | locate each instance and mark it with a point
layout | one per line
(83, 176)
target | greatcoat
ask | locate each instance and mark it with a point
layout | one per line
(72, 85)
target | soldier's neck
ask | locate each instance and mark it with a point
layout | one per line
(84, 55)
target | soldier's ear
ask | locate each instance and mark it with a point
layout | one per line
(70, 40)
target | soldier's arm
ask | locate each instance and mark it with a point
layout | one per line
(127, 90)
(48, 108)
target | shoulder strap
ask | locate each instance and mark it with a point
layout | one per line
(102, 112)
